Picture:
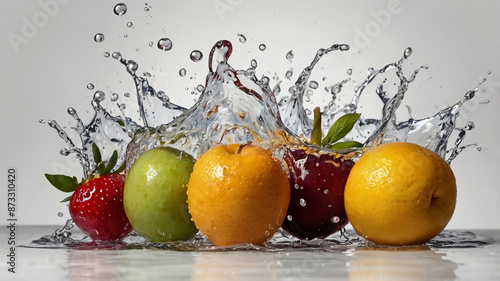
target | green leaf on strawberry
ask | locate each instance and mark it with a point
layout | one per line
(70, 184)
(63, 183)
(337, 131)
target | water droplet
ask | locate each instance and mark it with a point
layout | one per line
(469, 95)
(60, 214)
(125, 35)
(265, 80)
(120, 9)
(349, 71)
(289, 217)
(335, 90)
(470, 125)
(127, 95)
(267, 233)
(151, 43)
(335, 219)
(289, 73)
(253, 63)
(130, 24)
(64, 152)
(344, 47)
(302, 202)
(200, 88)
(71, 111)
(262, 47)
(296, 186)
(313, 84)
(90, 86)
(99, 37)
(164, 44)
(371, 71)
(132, 66)
(182, 72)
(289, 55)
(242, 38)
(99, 96)
(326, 191)
(196, 55)
(407, 52)
(106, 54)
(114, 97)
(117, 55)
(308, 111)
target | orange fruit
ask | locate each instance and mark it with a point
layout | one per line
(238, 194)
(400, 194)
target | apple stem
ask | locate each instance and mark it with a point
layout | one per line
(240, 148)
(316, 134)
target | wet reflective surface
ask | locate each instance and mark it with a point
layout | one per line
(476, 257)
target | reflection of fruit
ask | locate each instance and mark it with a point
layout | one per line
(400, 194)
(96, 206)
(317, 182)
(416, 263)
(238, 194)
(317, 194)
(155, 195)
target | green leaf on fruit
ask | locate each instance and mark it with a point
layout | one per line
(63, 183)
(121, 168)
(66, 199)
(177, 138)
(96, 153)
(345, 145)
(111, 164)
(101, 167)
(340, 128)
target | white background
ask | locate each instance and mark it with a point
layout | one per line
(49, 57)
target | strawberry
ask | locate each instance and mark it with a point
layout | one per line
(317, 182)
(96, 205)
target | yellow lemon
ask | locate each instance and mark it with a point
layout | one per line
(238, 194)
(400, 194)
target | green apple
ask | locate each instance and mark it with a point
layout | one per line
(155, 196)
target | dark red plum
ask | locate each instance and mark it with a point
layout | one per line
(317, 183)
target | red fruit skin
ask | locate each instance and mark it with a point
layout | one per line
(97, 209)
(317, 184)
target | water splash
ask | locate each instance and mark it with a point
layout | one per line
(432, 132)
(293, 111)
(108, 132)
(236, 107)
(342, 242)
